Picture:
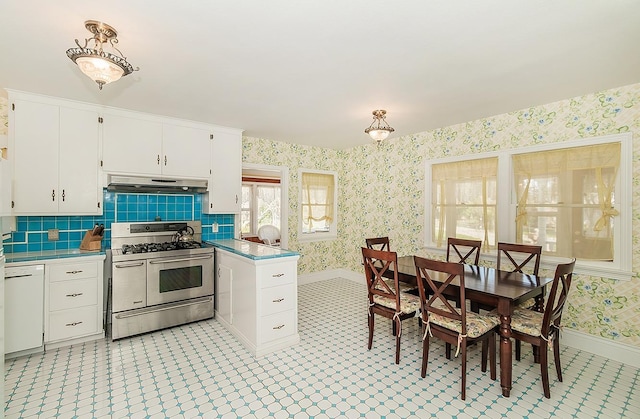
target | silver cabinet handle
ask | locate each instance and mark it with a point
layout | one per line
(279, 300)
(277, 275)
(74, 272)
(278, 327)
(137, 302)
(159, 261)
(73, 324)
(129, 265)
(74, 294)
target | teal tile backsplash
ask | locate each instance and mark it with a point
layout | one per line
(32, 232)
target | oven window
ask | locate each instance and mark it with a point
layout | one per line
(180, 278)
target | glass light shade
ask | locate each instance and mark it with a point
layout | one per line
(99, 69)
(379, 134)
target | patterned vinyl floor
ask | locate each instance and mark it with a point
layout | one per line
(200, 370)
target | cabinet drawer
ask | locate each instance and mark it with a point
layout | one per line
(73, 323)
(80, 270)
(72, 294)
(277, 326)
(277, 299)
(278, 274)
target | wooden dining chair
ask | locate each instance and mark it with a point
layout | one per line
(378, 243)
(382, 243)
(384, 299)
(457, 247)
(521, 258)
(543, 329)
(453, 325)
(463, 251)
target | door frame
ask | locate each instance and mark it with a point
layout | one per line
(284, 197)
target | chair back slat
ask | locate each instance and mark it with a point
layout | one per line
(557, 296)
(460, 246)
(523, 258)
(376, 264)
(378, 243)
(426, 269)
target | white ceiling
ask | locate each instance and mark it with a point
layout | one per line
(310, 72)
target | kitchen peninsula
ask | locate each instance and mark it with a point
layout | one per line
(256, 294)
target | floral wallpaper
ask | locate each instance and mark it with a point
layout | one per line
(381, 192)
(4, 116)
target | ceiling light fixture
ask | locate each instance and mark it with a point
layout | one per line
(101, 66)
(379, 129)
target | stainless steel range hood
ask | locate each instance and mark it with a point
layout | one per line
(155, 185)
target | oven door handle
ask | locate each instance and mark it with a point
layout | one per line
(169, 307)
(129, 265)
(188, 259)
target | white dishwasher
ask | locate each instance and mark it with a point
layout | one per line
(24, 309)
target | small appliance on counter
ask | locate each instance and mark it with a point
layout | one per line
(161, 276)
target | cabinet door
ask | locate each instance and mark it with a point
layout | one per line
(225, 276)
(186, 151)
(78, 162)
(35, 176)
(225, 183)
(131, 145)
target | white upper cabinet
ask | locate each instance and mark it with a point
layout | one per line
(5, 188)
(224, 195)
(131, 145)
(138, 144)
(186, 151)
(55, 157)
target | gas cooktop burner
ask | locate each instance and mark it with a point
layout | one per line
(128, 249)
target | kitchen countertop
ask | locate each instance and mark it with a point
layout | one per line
(23, 258)
(253, 250)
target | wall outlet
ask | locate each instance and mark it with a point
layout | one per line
(54, 234)
(214, 227)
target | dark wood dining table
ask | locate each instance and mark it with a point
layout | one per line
(489, 286)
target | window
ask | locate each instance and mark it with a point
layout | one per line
(318, 205)
(566, 198)
(464, 201)
(572, 198)
(260, 206)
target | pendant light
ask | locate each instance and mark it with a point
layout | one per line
(99, 65)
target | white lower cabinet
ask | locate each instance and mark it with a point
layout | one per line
(73, 300)
(257, 300)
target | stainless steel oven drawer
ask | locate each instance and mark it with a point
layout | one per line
(129, 285)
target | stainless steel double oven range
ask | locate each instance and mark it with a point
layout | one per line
(158, 278)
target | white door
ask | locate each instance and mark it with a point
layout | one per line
(35, 177)
(131, 145)
(78, 162)
(186, 151)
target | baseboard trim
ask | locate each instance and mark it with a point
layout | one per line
(607, 348)
(329, 274)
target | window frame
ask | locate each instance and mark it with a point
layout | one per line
(332, 234)
(253, 210)
(506, 201)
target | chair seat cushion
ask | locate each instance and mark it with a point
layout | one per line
(408, 303)
(527, 304)
(404, 287)
(477, 324)
(527, 321)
